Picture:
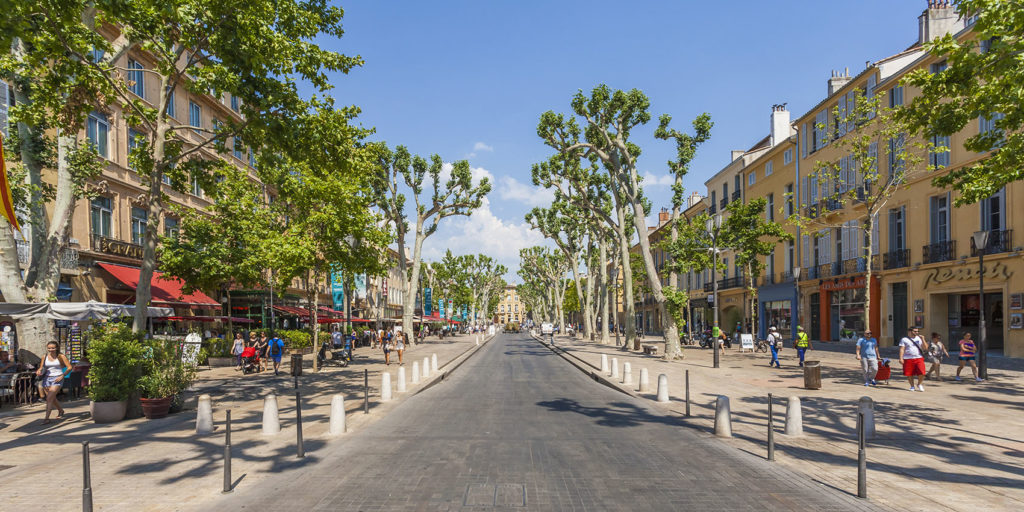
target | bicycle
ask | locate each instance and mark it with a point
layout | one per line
(761, 346)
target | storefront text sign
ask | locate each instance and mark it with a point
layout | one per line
(119, 248)
(843, 284)
(940, 276)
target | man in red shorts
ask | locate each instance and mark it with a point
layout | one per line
(912, 349)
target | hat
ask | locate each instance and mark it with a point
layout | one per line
(799, 327)
(772, 328)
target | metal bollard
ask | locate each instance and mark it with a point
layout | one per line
(227, 454)
(771, 431)
(86, 479)
(366, 391)
(862, 460)
(687, 393)
(300, 451)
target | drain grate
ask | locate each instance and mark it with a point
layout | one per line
(500, 495)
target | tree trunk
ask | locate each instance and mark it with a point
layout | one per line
(603, 293)
(627, 282)
(409, 301)
(143, 291)
(867, 277)
(653, 280)
(312, 286)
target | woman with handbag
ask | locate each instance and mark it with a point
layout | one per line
(385, 343)
(52, 370)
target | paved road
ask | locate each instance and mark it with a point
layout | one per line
(517, 428)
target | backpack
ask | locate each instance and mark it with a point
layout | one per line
(275, 346)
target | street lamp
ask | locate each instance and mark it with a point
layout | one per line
(980, 243)
(796, 308)
(713, 225)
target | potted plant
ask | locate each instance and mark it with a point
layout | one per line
(166, 377)
(117, 362)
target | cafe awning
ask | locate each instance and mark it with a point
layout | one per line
(235, 319)
(165, 289)
(292, 310)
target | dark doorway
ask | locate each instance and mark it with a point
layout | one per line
(899, 311)
(815, 316)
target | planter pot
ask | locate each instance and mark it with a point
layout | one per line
(222, 362)
(108, 412)
(155, 407)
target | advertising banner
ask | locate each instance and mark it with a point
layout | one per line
(360, 286)
(338, 291)
(451, 308)
(428, 303)
(440, 307)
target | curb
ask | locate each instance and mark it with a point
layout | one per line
(589, 369)
(457, 361)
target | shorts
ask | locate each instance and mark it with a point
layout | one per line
(967, 358)
(276, 359)
(913, 367)
(50, 380)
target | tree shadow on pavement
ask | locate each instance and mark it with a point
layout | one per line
(613, 414)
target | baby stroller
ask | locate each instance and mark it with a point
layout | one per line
(250, 360)
(884, 372)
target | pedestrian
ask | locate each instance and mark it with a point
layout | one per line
(867, 354)
(274, 351)
(261, 352)
(52, 369)
(774, 344)
(400, 342)
(237, 348)
(803, 343)
(912, 349)
(385, 345)
(936, 353)
(968, 351)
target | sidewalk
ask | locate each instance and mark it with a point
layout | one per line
(160, 465)
(956, 446)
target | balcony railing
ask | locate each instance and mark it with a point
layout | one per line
(896, 259)
(116, 247)
(68, 257)
(786, 276)
(811, 272)
(853, 266)
(768, 279)
(732, 282)
(939, 251)
(736, 195)
(723, 202)
(713, 209)
(998, 241)
(828, 205)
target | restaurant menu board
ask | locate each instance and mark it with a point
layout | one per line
(75, 350)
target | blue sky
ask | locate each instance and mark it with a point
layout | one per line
(469, 79)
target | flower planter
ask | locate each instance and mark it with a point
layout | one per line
(155, 407)
(108, 412)
(222, 362)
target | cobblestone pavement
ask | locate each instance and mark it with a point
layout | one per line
(956, 446)
(162, 465)
(516, 428)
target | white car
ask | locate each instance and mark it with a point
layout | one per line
(547, 328)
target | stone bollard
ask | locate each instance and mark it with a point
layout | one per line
(415, 372)
(204, 415)
(615, 367)
(433, 363)
(604, 363)
(426, 367)
(663, 388)
(271, 422)
(627, 374)
(401, 379)
(723, 417)
(645, 382)
(866, 406)
(794, 417)
(385, 387)
(477, 337)
(337, 425)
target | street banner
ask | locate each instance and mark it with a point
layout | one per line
(427, 302)
(360, 286)
(338, 291)
(451, 307)
(465, 312)
(6, 201)
(385, 286)
(440, 307)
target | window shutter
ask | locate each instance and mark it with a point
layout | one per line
(851, 103)
(933, 218)
(803, 192)
(842, 115)
(806, 246)
(874, 234)
(856, 240)
(948, 235)
(803, 142)
(4, 127)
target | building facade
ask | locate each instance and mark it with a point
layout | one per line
(511, 308)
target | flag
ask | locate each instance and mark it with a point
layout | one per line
(6, 201)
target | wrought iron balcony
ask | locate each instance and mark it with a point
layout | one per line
(853, 266)
(68, 257)
(896, 259)
(998, 241)
(787, 276)
(828, 270)
(713, 209)
(939, 251)
(732, 282)
(768, 279)
(723, 202)
(736, 195)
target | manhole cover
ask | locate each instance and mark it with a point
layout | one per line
(500, 495)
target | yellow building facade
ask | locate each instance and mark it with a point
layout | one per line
(511, 308)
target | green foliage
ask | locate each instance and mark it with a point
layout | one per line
(296, 339)
(640, 283)
(217, 347)
(166, 373)
(571, 303)
(982, 79)
(750, 236)
(117, 358)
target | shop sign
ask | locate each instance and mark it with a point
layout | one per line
(939, 276)
(119, 248)
(843, 284)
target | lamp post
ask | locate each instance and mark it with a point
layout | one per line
(713, 225)
(796, 307)
(980, 243)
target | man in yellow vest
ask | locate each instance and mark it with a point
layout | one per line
(803, 342)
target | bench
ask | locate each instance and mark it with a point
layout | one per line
(651, 350)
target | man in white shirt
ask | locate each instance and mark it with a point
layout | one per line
(912, 349)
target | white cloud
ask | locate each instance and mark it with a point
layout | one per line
(480, 146)
(478, 173)
(653, 179)
(482, 233)
(511, 189)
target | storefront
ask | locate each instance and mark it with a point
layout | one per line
(842, 303)
(775, 308)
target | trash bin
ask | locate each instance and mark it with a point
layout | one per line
(812, 374)
(296, 365)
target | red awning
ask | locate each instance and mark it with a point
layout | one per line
(292, 310)
(166, 290)
(235, 319)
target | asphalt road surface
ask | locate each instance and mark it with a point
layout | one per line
(518, 428)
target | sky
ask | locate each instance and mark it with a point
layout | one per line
(470, 79)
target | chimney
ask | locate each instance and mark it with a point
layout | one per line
(780, 124)
(838, 80)
(939, 19)
(736, 153)
(695, 198)
(663, 216)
